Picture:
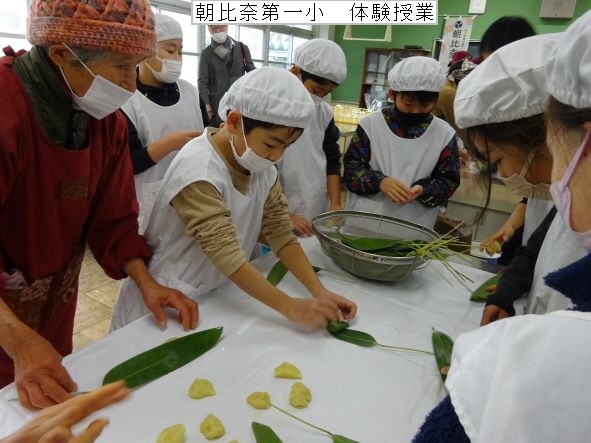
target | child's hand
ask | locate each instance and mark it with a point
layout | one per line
(417, 191)
(316, 312)
(396, 191)
(301, 225)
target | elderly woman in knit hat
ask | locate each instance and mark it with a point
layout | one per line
(66, 181)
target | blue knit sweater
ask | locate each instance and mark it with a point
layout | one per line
(442, 424)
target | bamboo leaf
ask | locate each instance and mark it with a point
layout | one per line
(159, 361)
(356, 337)
(335, 327)
(442, 347)
(481, 293)
(277, 273)
(341, 439)
(264, 434)
(279, 270)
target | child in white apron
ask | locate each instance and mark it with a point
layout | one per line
(404, 162)
(162, 115)
(221, 191)
(310, 171)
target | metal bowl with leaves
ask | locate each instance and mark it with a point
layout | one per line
(341, 232)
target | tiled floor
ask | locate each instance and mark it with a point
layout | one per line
(96, 297)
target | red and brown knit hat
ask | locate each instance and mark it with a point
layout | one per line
(123, 26)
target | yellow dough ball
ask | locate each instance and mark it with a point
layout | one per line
(259, 400)
(300, 396)
(212, 427)
(201, 388)
(172, 434)
(287, 370)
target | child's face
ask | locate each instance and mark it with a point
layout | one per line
(412, 105)
(167, 49)
(268, 143)
(508, 158)
(317, 89)
(170, 49)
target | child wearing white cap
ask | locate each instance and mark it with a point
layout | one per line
(162, 115)
(502, 107)
(221, 191)
(402, 161)
(310, 171)
(525, 379)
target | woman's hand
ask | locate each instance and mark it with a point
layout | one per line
(54, 424)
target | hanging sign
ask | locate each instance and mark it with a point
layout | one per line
(456, 36)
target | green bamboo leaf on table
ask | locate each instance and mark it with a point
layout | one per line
(279, 270)
(264, 434)
(341, 331)
(442, 348)
(480, 294)
(162, 359)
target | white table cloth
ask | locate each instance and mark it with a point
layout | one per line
(372, 395)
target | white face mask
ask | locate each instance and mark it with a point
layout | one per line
(520, 186)
(102, 98)
(219, 37)
(249, 160)
(170, 71)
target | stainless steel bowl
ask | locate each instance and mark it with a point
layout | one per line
(364, 264)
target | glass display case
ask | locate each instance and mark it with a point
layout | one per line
(378, 62)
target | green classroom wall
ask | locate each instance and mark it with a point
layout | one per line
(348, 91)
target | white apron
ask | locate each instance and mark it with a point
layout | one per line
(153, 122)
(302, 169)
(178, 260)
(524, 379)
(536, 210)
(407, 160)
(560, 248)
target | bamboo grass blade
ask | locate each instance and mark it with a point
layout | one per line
(277, 273)
(359, 338)
(279, 270)
(480, 294)
(264, 434)
(165, 358)
(442, 347)
(340, 439)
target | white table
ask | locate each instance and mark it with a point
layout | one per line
(368, 394)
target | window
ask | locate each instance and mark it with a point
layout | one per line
(13, 23)
(268, 45)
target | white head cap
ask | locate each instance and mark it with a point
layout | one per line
(509, 85)
(323, 58)
(270, 95)
(167, 28)
(568, 71)
(417, 74)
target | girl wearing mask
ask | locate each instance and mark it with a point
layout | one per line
(221, 191)
(523, 379)
(162, 115)
(403, 161)
(507, 129)
(66, 182)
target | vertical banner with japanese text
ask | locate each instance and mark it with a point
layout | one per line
(456, 36)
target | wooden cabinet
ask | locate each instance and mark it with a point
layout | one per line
(377, 64)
